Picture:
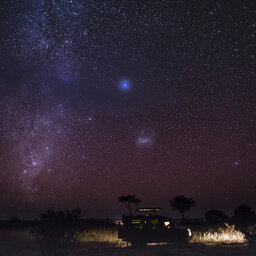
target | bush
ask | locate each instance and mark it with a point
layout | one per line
(216, 216)
(243, 213)
(251, 235)
(57, 231)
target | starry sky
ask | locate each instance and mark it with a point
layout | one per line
(106, 98)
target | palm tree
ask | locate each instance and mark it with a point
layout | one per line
(182, 204)
(129, 200)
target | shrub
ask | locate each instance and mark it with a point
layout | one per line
(216, 216)
(243, 213)
(57, 231)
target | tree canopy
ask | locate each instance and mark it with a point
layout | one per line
(182, 204)
(130, 200)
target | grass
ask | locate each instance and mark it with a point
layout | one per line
(108, 237)
(221, 235)
(101, 235)
(102, 240)
(227, 235)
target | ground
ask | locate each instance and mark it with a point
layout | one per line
(165, 250)
(20, 243)
(170, 250)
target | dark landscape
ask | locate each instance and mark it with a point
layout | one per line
(52, 234)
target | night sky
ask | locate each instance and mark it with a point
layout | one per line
(106, 98)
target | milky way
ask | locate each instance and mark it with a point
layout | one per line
(105, 98)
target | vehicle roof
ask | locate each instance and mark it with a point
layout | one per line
(149, 210)
(142, 217)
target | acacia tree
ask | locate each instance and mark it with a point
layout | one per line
(130, 200)
(182, 204)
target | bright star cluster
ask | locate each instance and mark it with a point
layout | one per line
(104, 98)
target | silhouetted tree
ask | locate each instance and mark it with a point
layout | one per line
(57, 231)
(182, 204)
(243, 213)
(130, 200)
(216, 216)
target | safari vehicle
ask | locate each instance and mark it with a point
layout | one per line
(148, 227)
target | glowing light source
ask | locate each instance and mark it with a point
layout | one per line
(149, 209)
(34, 163)
(125, 85)
(237, 163)
(167, 223)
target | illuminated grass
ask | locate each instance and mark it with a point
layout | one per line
(221, 235)
(101, 235)
(110, 236)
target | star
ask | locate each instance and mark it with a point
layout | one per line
(236, 163)
(49, 170)
(34, 163)
(125, 85)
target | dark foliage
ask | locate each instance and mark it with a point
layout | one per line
(57, 231)
(243, 213)
(130, 200)
(245, 220)
(182, 204)
(216, 216)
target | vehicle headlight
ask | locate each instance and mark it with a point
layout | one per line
(189, 232)
(167, 223)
